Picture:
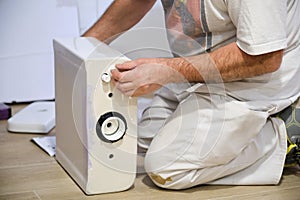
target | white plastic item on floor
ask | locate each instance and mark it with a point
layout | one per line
(37, 117)
(96, 126)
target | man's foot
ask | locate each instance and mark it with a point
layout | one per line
(291, 117)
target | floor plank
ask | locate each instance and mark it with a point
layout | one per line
(20, 196)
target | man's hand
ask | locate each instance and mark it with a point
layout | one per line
(143, 76)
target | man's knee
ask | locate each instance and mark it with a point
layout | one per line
(167, 175)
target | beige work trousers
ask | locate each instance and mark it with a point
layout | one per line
(193, 138)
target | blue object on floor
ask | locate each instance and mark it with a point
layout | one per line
(5, 111)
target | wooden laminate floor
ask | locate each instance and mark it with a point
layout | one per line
(27, 172)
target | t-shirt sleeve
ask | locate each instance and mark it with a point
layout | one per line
(260, 24)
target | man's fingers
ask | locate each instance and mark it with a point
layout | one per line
(124, 87)
(122, 77)
(116, 75)
(126, 66)
(130, 89)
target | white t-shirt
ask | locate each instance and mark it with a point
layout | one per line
(257, 27)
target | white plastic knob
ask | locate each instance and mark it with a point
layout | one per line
(113, 128)
(105, 77)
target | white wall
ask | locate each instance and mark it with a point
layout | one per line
(27, 29)
(26, 63)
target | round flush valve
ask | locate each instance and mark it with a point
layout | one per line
(105, 77)
(111, 127)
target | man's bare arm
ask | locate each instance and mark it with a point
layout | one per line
(119, 17)
(228, 63)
